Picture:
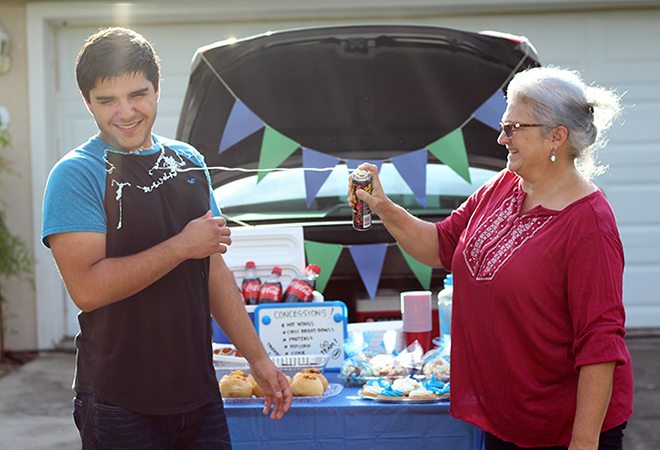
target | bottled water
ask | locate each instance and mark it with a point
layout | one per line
(444, 312)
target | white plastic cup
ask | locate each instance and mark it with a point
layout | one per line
(417, 317)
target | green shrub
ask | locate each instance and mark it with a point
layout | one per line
(15, 259)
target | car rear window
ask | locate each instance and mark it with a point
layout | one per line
(282, 195)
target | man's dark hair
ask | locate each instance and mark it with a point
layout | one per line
(114, 52)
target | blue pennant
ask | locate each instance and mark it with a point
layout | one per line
(314, 179)
(242, 122)
(491, 111)
(369, 259)
(412, 168)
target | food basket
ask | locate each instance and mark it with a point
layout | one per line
(288, 364)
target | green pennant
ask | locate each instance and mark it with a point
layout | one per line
(450, 149)
(325, 256)
(275, 148)
(421, 271)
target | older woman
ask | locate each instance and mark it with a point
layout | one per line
(538, 355)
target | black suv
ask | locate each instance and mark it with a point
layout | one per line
(368, 92)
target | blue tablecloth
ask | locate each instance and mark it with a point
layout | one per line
(347, 422)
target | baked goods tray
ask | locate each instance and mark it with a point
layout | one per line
(332, 390)
(406, 400)
(360, 381)
(288, 364)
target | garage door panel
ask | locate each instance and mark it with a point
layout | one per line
(618, 49)
(76, 126)
(635, 205)
(641, 245)
(632, 39)
(616, 74)
(638, 124)
(630, 174)
(643, 317)
(165, 125)
(630, 164)
(639, 91)
(170, 103)
(69, 42)
(635, 281)
(79, 129)
(632, 154)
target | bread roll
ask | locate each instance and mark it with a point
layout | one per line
(319, 375)
(307, 385)
(235, 386)
(239, 373)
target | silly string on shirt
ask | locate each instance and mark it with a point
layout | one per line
(168, 165)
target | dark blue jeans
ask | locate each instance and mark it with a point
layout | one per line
(104, 426)
(609, 440)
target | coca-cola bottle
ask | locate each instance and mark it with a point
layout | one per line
(271, 290)
(302, 289)
(251, 284)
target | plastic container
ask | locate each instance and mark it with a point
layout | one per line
(444, 310)
(289, 365)
(219, 336)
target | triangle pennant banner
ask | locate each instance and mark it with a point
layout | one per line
(352, 164)
(412, 168)
(450, 149)
(242, 122)
(314, 179)
(491, 111)
(275, 148)
(369, 259)
(325, 256)
(422, 271)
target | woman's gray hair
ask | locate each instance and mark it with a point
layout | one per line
(560, 97)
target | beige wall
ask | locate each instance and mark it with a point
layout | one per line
(15, 192)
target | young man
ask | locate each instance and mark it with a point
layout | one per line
(136, 238)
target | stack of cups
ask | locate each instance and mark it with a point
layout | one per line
(417, 319)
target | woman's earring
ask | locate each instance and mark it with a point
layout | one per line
(553, 156)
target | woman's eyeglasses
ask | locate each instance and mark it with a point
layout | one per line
(510, 127)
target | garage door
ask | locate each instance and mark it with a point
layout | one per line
(617, 49)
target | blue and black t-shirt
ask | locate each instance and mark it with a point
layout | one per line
(149, 353)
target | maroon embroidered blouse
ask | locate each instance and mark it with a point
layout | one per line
(536, 296)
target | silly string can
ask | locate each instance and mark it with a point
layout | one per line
(361, 179)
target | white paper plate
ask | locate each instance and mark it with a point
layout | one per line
(403, 399)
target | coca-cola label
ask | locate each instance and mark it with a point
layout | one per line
(250, 291)
(270, 293)
(299, 291)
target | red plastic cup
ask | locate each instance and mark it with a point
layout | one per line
(423, 337)
(417, 317)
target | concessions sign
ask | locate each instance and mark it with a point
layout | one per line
(291, 329)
